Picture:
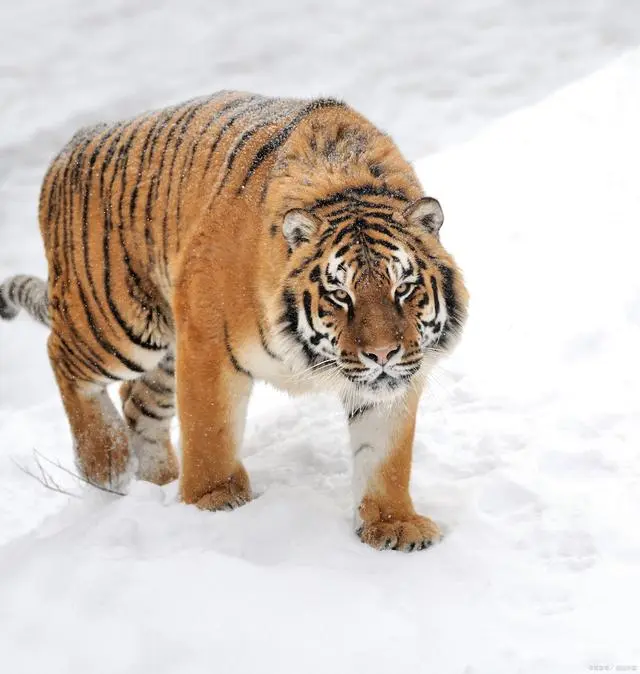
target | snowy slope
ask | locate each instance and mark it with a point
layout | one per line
(526, 453)
(430, 72)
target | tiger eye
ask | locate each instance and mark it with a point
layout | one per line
(402, 288)
(341, 295)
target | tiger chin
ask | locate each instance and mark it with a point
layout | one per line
(196, 249)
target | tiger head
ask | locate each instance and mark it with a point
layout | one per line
(370, 295)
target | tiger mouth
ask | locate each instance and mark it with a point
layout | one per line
(383, 379)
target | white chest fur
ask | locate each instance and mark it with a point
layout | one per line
(281, 372)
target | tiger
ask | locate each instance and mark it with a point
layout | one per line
(234, 238)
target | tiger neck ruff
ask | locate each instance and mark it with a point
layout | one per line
(195, 249)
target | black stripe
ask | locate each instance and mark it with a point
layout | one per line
(15, 292)
(69, 248)
(355, 194)
(232, 358)
(55, 249)
(188, 118)
(64, 368)
(148, 217)
(178, 143)
(165, 406)
(417, 245)
(290, 316)
(149, 144)
(382, 229)
(157, 387)
(301, 267)
(167, 369)
(306, 303)
(450, 298)
(379, 242)
(340, 219)
(263, 342)
(327, 297)
(87, 356)
(165, 122)
(329, 275)
(53, 202)
(115, 135)
(219, 112)
(167, 143)
(436, 299)
(73, 362)
(345, 231)
(109, 348)
(254, 103)
(188, 158)
(337, 197)
(276, 141)
(354, 415)
(243, 140)
(132, 277)
(85, 193)
(454, 310)
(142, 153)
(143, 409)
(379, 215)
(315, 274)
(120, 165)
(378, 191)
(348, 209)
(45, 194)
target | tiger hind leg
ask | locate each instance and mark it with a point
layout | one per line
(148, 405)
(99, 434)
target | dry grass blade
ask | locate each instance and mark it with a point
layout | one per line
(46, 479)
(81, 478)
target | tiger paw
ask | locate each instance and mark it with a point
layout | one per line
(234, 492)
(157, 461)
(223, 498)
(405, 534)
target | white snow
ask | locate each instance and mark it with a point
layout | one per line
(430, 72)
(526, 450)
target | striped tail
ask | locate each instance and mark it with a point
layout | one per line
(24, 292)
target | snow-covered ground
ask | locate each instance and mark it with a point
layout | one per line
(527, 442)
(429, 71)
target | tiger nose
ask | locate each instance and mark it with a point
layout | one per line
(382, 354)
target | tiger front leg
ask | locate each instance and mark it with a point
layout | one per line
(212, 399)
(382, 443)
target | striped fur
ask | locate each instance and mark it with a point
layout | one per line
(24, 292)
(148, 404)
(254, 238)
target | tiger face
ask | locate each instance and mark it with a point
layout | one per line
(370, 301)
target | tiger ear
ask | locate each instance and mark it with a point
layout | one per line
(298, 226)
(427, 213)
